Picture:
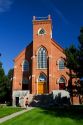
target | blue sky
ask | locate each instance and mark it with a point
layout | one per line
(16, 24)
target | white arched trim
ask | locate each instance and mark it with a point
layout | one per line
(42, 78)
(62, 79)
(41, 31)
(61, 64)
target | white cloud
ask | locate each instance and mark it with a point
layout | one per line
(5, 5)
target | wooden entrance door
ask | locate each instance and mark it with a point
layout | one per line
(61, 86)
(41, 87)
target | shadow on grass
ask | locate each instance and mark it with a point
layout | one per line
(73, 112)
(61, 109)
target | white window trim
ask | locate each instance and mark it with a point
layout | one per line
(41, 68)
(40, 30)
(37, 59)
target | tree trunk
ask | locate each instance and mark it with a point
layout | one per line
(70, 87)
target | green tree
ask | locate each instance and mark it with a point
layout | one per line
(72, 64)
(80, 56)
(80, 63)
(10, 74)
(3, 85)
(10, 79)
(71, 60)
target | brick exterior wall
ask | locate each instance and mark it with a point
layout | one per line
(54, 53)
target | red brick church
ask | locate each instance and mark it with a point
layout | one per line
(39, 68)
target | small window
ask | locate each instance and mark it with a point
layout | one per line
(25, 66)
(61, 64)
(41, 31)
(61, 80)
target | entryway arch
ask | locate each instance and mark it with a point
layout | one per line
(42, 83)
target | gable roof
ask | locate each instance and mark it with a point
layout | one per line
(57, 45)
(22, 52)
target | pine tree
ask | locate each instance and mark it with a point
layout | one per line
(71, 59)
(5, 85)
(80, 56)
(10, 79)
(72, 64)
(2, 84)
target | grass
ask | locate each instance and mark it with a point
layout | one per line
(6, 110)
(56, 116)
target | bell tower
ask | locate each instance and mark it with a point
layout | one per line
(42, 27)
(42, 34)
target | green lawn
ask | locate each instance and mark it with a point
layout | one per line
(56, 116)
(5, 110)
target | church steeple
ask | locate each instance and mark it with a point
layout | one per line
(42, 26)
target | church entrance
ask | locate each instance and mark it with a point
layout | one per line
(42, 84)
(41, 87)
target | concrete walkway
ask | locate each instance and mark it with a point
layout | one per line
(14, 115)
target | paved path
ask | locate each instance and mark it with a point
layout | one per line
(14, 114)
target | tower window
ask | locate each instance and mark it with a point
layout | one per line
(41, 31)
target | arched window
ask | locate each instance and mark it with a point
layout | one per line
(25, 84)
(61, 64)
(42, 58)
(25, 81)
(41, 31)
(25, 65)
(61, 80)
(62, 83)
(42, 78)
